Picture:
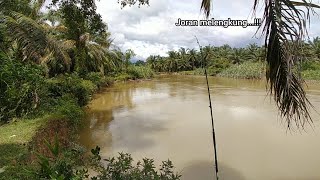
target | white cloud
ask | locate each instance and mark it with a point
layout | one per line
(152, 30)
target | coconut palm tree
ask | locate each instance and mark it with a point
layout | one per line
(315, 47)
(237, 56)
(284, 27)
(152, 62)
(192, 58)
(32, 42)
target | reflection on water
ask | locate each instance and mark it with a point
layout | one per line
(169, 118)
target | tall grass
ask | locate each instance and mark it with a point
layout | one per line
(135, 72)
(246, 70)
(311, 74)
(311, 70)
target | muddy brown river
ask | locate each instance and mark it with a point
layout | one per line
(169, 118)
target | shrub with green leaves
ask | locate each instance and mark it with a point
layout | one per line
(310, 65)
(140, 72)
(66, 106)
(66, 165)
(71, 84)
(123, 168)
(61, 165)
(246, 70)
(98, 79)
(21, 88)
(311, 74)
(123, 77)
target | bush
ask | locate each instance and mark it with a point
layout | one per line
(311, 74)
(140, 72)
(61, 165)
(21, 88)
(71, 84)
(98, 79)
(246, 70)
(310, 65)
(66, 106)
(122, 168)
(69, 165)
(218, 65)
(124, 77)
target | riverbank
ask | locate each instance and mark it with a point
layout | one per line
(22, 139)
(169, 117)
(254, 70)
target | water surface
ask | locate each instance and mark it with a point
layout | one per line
(169, 117)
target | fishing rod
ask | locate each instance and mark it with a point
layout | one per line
(204, 65)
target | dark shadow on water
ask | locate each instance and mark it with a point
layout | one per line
(204, 170)
(131, 132)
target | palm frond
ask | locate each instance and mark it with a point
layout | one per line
(29, 34)
(33, 39)
(206, 7)
(285, 28)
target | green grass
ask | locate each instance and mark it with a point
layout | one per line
(135, 72)
(200, 72)
(14, 140)
(21, 131)
(247, 70)
(311, 74)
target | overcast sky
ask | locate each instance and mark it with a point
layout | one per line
(151, 30)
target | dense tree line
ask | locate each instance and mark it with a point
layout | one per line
(45, 55)
(68, 37)
(221, 57)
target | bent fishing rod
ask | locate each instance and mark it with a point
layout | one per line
(204, 65)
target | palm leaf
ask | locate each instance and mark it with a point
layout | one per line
(33, 39)
(206, 7)
(285, 28)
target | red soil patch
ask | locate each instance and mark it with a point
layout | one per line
(54, 128)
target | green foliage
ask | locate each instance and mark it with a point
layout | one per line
(140, 63)
(310, 65)
(123, 77)
(218, 65)
(135, 72)
(247, 70)
(122, 168)
(71, 84)
(140, 72)
(67, 106)
(311, 74)
(98, 79)
(21, 6)
(60, 166)
(81, 14)
(69, 165)
(21, 86)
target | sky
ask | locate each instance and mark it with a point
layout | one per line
(151, 30)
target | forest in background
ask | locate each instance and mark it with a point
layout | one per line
(225, 61)
(51, 64)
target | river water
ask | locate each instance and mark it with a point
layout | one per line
(169, 118)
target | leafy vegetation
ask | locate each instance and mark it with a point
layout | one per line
(51, 64)
(246, 70)
(69, 165)
(20, 87)
(225, 61)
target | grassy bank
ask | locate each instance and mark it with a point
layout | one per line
(255, 70)
(246, 70)
(58, 113)
(21, 140)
